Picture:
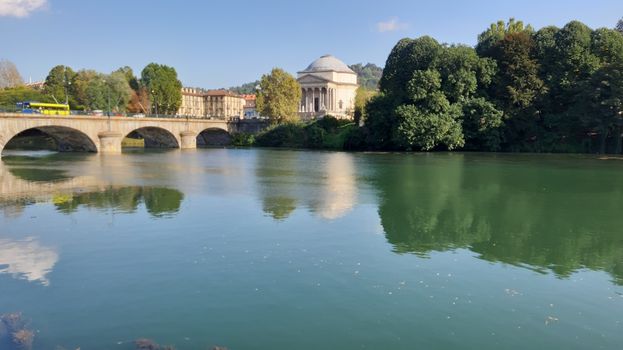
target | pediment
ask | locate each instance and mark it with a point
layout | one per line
(311, 79)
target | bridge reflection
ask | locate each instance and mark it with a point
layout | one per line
(24, 181)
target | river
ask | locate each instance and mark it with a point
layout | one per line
(279, 249)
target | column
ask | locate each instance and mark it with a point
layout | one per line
(302, 106)
(188, 140)
(110, 142)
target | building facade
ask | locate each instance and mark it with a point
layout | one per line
(216, 104)
(328, 87)
(250, 107)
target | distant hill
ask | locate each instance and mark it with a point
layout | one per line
(248, 88)
(369, 75)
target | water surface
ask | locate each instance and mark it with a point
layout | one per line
(273, 249)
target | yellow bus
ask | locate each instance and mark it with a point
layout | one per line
(43, 108)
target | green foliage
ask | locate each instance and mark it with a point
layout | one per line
(619, 26)
(368, 76)
(362, 97)
(9, 97)
(324, 133)
(58, 84)
(279, 96)
(423, 89)
(602, 100)
(128, 73)
(315, 136)
(287, 134)
(482, 125)
(106, 92)
(497, 31)
(243, 139)
(163, 86)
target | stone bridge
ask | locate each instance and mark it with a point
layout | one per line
(104, 134)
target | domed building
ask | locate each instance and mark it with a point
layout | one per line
(328, 87)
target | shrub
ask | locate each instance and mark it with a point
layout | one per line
(243, 139)
(282, 135)
(315, 136)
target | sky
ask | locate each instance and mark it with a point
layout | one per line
(215, 44)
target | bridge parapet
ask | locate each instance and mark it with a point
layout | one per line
(104, 134)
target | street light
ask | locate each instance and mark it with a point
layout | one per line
(153, 97)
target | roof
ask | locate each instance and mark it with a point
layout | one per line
(328, 63)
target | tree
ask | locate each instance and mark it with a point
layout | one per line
(423, 88)
(10, 96)
(9, 75)
(431, 120)
(107, 92)
(481, 124)
(128, 73)
(163, 86)
(58, 84)
(619, 26)
(279, 96)
(362, 97)
(79, 86)
(497, 31)
(603, 104)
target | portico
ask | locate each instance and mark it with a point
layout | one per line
(328, 87)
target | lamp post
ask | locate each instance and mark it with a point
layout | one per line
(153, 97)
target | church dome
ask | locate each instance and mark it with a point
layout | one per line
(328, 63)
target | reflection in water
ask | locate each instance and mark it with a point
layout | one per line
(521, 214)
(26, 180)
(158, 201)
(27, 259)
(323, 182)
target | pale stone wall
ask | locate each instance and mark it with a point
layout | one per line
(103, 134)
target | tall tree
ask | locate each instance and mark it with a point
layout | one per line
(423, 88)
(9, 75)
(603, 104)
(362, 97)
(58, 84)
(496, 32)
(107, 92)
(81, 82)
(619, 26)
(128, 73)
(163, 86)
(279, 96)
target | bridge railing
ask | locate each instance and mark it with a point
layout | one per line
(4, 109)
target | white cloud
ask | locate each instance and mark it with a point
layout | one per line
(20, 8)
(391, 25)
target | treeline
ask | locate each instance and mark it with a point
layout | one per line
(551, 90)
(157, 90)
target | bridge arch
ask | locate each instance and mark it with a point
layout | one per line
(155, 137)
(66, 139)
(213, 136)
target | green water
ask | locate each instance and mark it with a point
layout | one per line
(264, 249)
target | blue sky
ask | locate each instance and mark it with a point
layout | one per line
(223, 43)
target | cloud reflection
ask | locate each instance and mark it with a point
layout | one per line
(27, 259)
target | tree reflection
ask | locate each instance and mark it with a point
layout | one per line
(549, 216)
(158, 201)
